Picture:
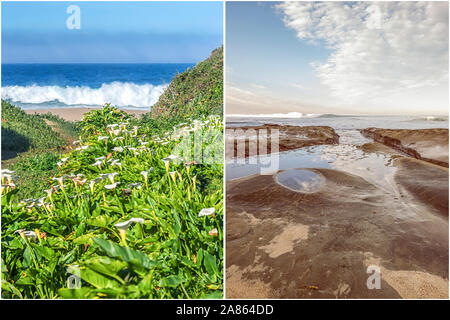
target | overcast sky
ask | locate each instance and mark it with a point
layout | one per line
(337, 57)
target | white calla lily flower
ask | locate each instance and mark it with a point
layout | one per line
(206, 212)
(112, 186)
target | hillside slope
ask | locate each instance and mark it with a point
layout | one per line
(195, 92)
(22, 132)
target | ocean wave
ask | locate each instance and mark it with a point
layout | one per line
(433, 118)
(120, 94)
(276, 115)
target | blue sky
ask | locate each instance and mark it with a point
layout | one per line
(337, 57)
(111, 32)
(262, 52)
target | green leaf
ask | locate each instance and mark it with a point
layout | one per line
(84, 239)
(106, 266)
(214, 295)
(28, 281)
(27, 259)
(199, 256)
(97, 280)
(210, 264)
(126, 254)
(46, 252)
(101, 221)
(80, 229)
(177, 225)
(171, 281)
(82, 293)
(15, 244)
(6, 286)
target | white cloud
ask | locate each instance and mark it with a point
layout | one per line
(299, 86)
(257, 86)
(380, 50)
(241, 101)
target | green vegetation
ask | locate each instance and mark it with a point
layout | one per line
(23, 132)
(82, 222)
(126, 213)
(195, 93)
(30, 146)
(34, 171)
(67, 129)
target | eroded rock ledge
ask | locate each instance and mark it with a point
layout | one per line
(290, 137)
(429, 145)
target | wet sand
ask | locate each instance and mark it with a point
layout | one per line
(285, 243)
(75, 114)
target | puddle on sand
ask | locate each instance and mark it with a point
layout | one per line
(300, 180)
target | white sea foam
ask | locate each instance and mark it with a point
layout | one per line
(276, 115)
(120, 94)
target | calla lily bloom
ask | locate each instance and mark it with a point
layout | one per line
(206, 212)
(79, 181)
(123, 226)
(9, 177)
(26, 234)
(93, 182)
(60, 180)
(137, 185)
(166, 163)
(145, 173)
(7, 186)
(112, 186)
(50, 192)
(101, 138)
(173, 175)
(111, 176)
(98, 164)
(82, 148)
(116, 163)
(118, 149)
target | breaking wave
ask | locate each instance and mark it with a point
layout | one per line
(276, 115)
(120, 94)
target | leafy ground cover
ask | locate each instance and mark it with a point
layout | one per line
(123, 217)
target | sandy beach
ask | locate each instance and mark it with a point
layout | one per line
(75, 114)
